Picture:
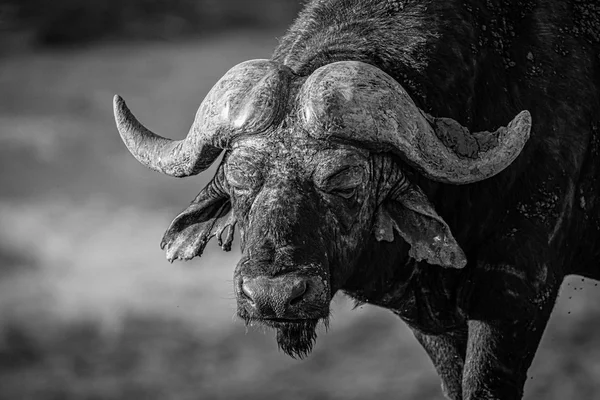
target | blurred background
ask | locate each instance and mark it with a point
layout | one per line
(90, 308)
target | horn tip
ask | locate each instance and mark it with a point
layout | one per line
(123, 116)
(118, 104)
(525, 115)
(117, 100)
(522, 122)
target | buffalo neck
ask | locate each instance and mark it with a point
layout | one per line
(425, 296)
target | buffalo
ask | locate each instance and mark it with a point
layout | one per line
(440, 159)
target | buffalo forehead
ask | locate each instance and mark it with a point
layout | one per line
(303, 155)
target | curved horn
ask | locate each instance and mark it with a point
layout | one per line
(247, 99)
(358, 102)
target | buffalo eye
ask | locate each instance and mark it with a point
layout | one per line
(345, 182)
(243, 176)
(346, 193)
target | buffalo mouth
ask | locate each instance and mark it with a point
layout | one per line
(295, 337)
(293, 303)
(276, 322)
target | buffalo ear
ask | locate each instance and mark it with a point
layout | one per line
(412, 215)
(206, 217)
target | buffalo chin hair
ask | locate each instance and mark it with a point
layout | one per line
(297, 339)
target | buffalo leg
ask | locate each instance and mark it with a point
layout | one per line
(447, 351)
(499, 354)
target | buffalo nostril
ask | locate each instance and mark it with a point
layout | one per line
(272, 296)
(297, 292)
(247, 291)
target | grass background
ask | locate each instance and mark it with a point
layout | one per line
(89, 307)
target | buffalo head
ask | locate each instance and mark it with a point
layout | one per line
(313, 172)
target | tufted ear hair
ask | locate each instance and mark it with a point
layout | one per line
(412, 215)
(207, 216)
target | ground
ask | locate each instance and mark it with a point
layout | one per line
(89, 307)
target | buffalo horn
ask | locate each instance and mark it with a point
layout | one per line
(358, 102)
(246, 100)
